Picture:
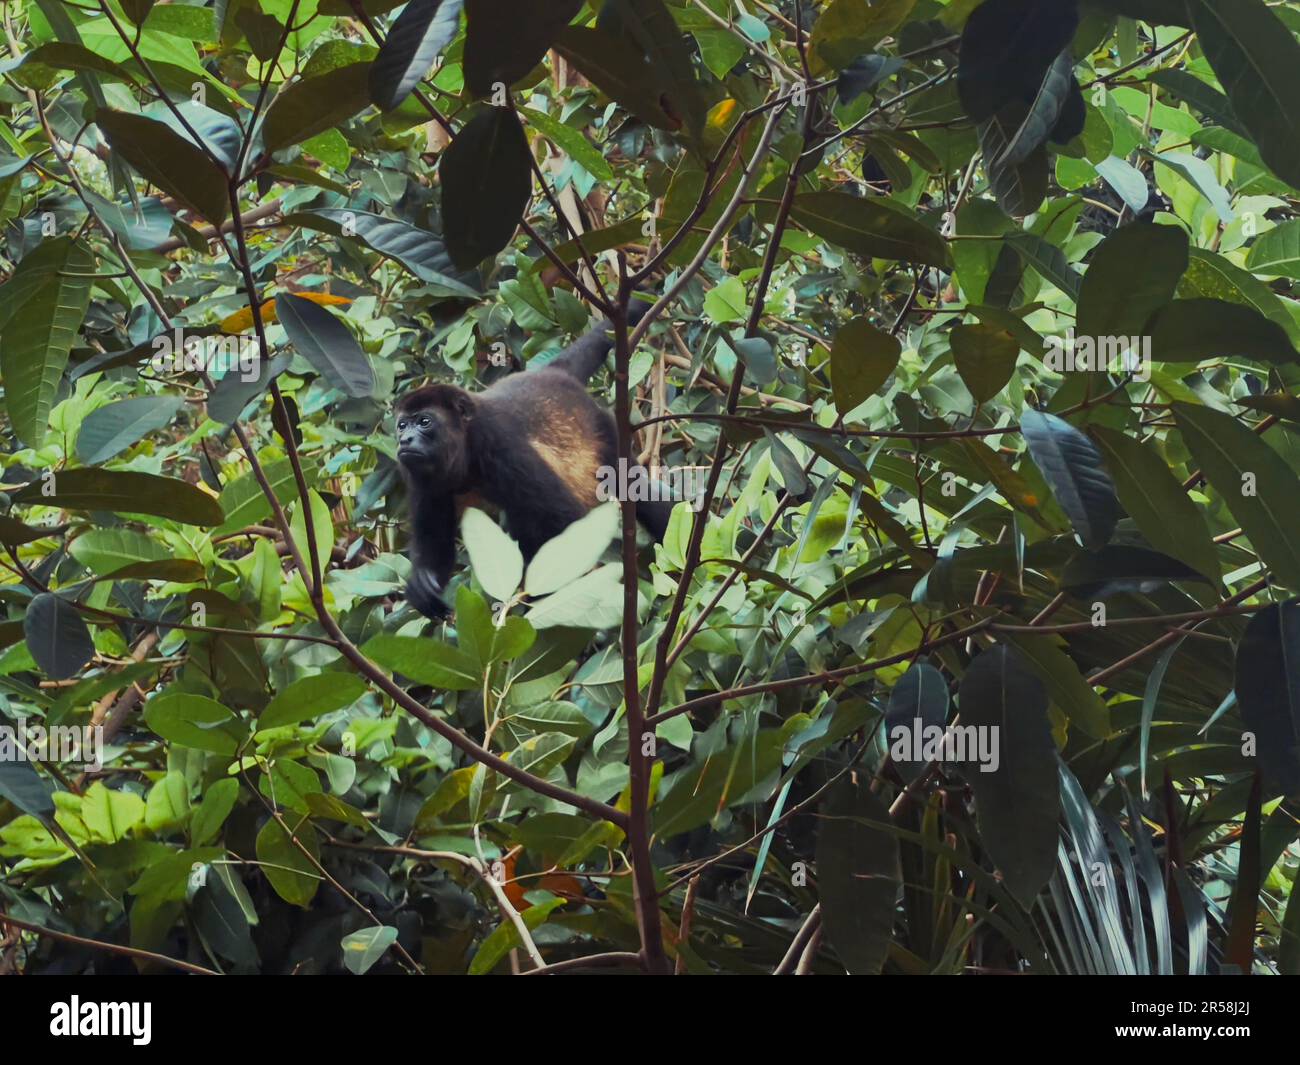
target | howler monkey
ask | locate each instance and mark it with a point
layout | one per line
(530, 445)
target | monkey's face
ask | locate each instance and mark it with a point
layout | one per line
(431, 447)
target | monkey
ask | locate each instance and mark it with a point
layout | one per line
(530, 446)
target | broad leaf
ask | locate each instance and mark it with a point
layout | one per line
(1017, 803)
(1073, 468)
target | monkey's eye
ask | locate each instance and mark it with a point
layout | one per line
(424, 423)
(401, 425)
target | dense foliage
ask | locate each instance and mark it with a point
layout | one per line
(896, 248)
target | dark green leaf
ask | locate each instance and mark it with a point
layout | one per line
(1073, 468)
(1196, 329)
(415, 40)
(1257, 61)
(986, 358)
(111, 429)
(486, 182)
(918, 702)
(418, 250)
(1006, 48)
(1268, 691)
(57, 638)
(858, 876)
(125, 492)
(862, 358)
(1156, 501)
(41, 310)
(166, 159)
(326, 343)
(506, 39)
(1256, 483)
(869, 229)
(313, 105)
(1017, 803)
(1132, 274)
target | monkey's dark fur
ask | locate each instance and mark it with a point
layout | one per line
(530, 445)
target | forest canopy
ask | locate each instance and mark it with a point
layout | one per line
(973, 357)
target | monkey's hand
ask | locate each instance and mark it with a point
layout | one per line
(425, 594)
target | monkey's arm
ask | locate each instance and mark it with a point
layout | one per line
(433, 554)
(587, 354)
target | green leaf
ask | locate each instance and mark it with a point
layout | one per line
(1257, 61)
(541, 754)
(1019, 188)
(418, 250)
(111, 815)
(506, 39)
(1048, 260)
(1132, 274)
(1157, 502)
(414, 41)
(42, 307)
(194, 721)
(103, 551)
(292, 874)
(869, 229)
(113, 428)
(505, 937)
(169, 160)
(425, 661)
(1196, 329)
(1276, 251)
(1256, 483)
(858, 876)
(327, 344)
(572, 142)
(553, 716)
(1043, 113)
(568, 556)
(57, 637)
(495, 558)
(311, 697)
(862, 358)
(985, 357)
(1268, 691)
(918, 702)
(1072, 466)
(698, 792)
(168, 803)
(313, 105)
(21, 785)
(594, 601)
(1211, 275)
(124, 492)
(486, 182)
(1066, 686)
(1016, 804)
(363, 948)
(847, 28)
(1006, 48)
(243, 502)
(661, 47)
(212, 811)
(618, 70)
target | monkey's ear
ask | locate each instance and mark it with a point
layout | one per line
(464, 405)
